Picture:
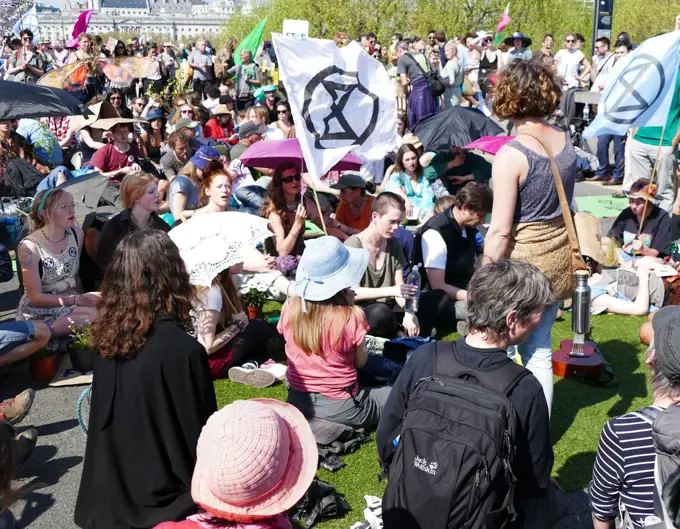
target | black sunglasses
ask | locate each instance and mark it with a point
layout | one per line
(288, 179)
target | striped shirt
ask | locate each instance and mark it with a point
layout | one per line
(623, 475)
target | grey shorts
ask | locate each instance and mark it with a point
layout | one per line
(15, 333)
(361, 411)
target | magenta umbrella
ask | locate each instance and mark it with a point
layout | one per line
(272, 153)
(490, 144)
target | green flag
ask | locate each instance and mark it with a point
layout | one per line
(251, 41)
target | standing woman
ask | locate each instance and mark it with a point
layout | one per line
(26, 64)
(452, 75)
(49, 259)
(152, 391)
(409, 182)
(489, 63)
(86, 52)
(527, 221)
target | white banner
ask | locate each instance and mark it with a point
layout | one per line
(29, 20)
(639, 88)
(341, 98)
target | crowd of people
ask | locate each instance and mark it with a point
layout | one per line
(174, 157)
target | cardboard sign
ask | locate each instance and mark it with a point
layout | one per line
(296, 28)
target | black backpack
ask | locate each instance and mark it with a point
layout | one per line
(452, 467)
(437, 88)
(22, 178)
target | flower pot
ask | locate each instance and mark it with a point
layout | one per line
(253, 312)
(43, 369)
(82, 359)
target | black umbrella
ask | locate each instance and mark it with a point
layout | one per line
(457, 127)
(21, 100)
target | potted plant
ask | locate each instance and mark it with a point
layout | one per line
(79, 350)
(255, 292)
(43, 365)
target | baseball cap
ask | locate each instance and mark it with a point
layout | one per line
(203, 156)
(185, 123)
(248, 128)
(349, 179)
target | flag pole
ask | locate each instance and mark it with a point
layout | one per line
(318, 206)
(651, 181)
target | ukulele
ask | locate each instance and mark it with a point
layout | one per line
(577, 358)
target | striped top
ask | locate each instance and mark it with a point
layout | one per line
(623, 475)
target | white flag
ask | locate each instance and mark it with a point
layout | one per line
(641, 89)
(29, 20)
(341, 98)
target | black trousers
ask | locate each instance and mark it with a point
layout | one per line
(435, 310)
(260, 341)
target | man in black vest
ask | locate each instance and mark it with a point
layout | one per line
(447, 247)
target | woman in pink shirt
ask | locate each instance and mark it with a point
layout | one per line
(325, 334)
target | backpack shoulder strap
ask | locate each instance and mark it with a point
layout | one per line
(503, 379)
(647, 414)
(415, 61)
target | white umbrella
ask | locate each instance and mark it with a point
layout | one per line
(213, 242)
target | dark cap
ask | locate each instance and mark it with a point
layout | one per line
(248, 128)
(350, 179)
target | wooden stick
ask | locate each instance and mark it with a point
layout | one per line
(318, 206)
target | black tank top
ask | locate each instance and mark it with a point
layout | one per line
(486, 64)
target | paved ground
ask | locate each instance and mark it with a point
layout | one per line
(53, 473)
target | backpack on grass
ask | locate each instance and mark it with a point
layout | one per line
(452, 467)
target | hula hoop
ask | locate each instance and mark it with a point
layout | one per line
(79, 407)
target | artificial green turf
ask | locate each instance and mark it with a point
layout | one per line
(579, 413)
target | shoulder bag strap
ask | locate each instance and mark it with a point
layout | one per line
(413, 59)
(564, 206)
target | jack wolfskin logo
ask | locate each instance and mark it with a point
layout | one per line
(426, 466)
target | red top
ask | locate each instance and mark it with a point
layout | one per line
(214, 130)
(108, 158)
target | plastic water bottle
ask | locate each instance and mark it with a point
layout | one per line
(413, 278)
(586, 113)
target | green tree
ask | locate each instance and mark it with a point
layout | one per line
(643, 20)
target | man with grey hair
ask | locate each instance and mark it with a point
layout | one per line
(201, 61)
(248, 79)
(506, 301)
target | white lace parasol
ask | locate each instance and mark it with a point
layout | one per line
(213, 242)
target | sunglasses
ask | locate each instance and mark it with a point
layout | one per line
(27, 38)
(115, 99)
(488, 40)
(186, 111)
(288, 179)
(284, 111)
(569, 40)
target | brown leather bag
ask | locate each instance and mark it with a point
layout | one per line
(577, 262)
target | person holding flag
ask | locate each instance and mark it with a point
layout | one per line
(248, 79)
(26, 64)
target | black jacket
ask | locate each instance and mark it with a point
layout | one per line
(118, 227)
(534, 459)
(145, 418)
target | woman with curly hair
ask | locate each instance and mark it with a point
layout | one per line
(287, 212)
(152, 391)
(527, 221)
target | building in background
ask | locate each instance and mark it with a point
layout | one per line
(178, 20)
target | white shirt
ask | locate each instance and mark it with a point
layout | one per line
(434, 249)
(567, 65)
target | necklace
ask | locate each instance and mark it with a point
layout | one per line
(50, 240)
(293, 206)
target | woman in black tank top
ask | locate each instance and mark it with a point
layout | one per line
(488, 63)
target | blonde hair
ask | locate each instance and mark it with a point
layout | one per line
(133, 187)
(261, 113)
(44, 204)
(330, 317)
(444, 203)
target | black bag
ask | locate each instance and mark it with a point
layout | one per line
(437, 88)
(452, 465)
(6, 272)
(22, 178)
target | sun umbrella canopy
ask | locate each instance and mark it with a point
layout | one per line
(272, 153)
(21, 100)
(490, 144)
(213, 242)
(456, 127)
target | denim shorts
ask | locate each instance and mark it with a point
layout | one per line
(15, 333)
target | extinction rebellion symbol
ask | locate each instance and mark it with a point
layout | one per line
(636, 90)
(338, 110)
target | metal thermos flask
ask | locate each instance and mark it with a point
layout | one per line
(580, 304)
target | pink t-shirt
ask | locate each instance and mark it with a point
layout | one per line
(329, 375)
(198, 521)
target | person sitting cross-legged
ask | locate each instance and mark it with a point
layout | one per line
(446, 245)
(506, 301)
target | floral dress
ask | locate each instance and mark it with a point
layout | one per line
(58, 277)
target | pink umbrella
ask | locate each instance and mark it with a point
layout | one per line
(272, 153)
(490, 144)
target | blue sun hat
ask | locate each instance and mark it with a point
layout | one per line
(327, 266)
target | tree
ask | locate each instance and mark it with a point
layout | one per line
(643, 20)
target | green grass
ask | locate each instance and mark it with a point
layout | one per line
(578, 415)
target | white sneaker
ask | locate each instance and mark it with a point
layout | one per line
(279, 370)
(251, 374)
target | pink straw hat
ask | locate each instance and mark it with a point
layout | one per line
(255, 460)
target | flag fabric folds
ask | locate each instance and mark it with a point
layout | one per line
(29, 20)
(640, 88)
(502, 24)
(82, 23)
(251, 41)
(341, 98)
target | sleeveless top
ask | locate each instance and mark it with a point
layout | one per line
(537, 200)
(486, 64)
